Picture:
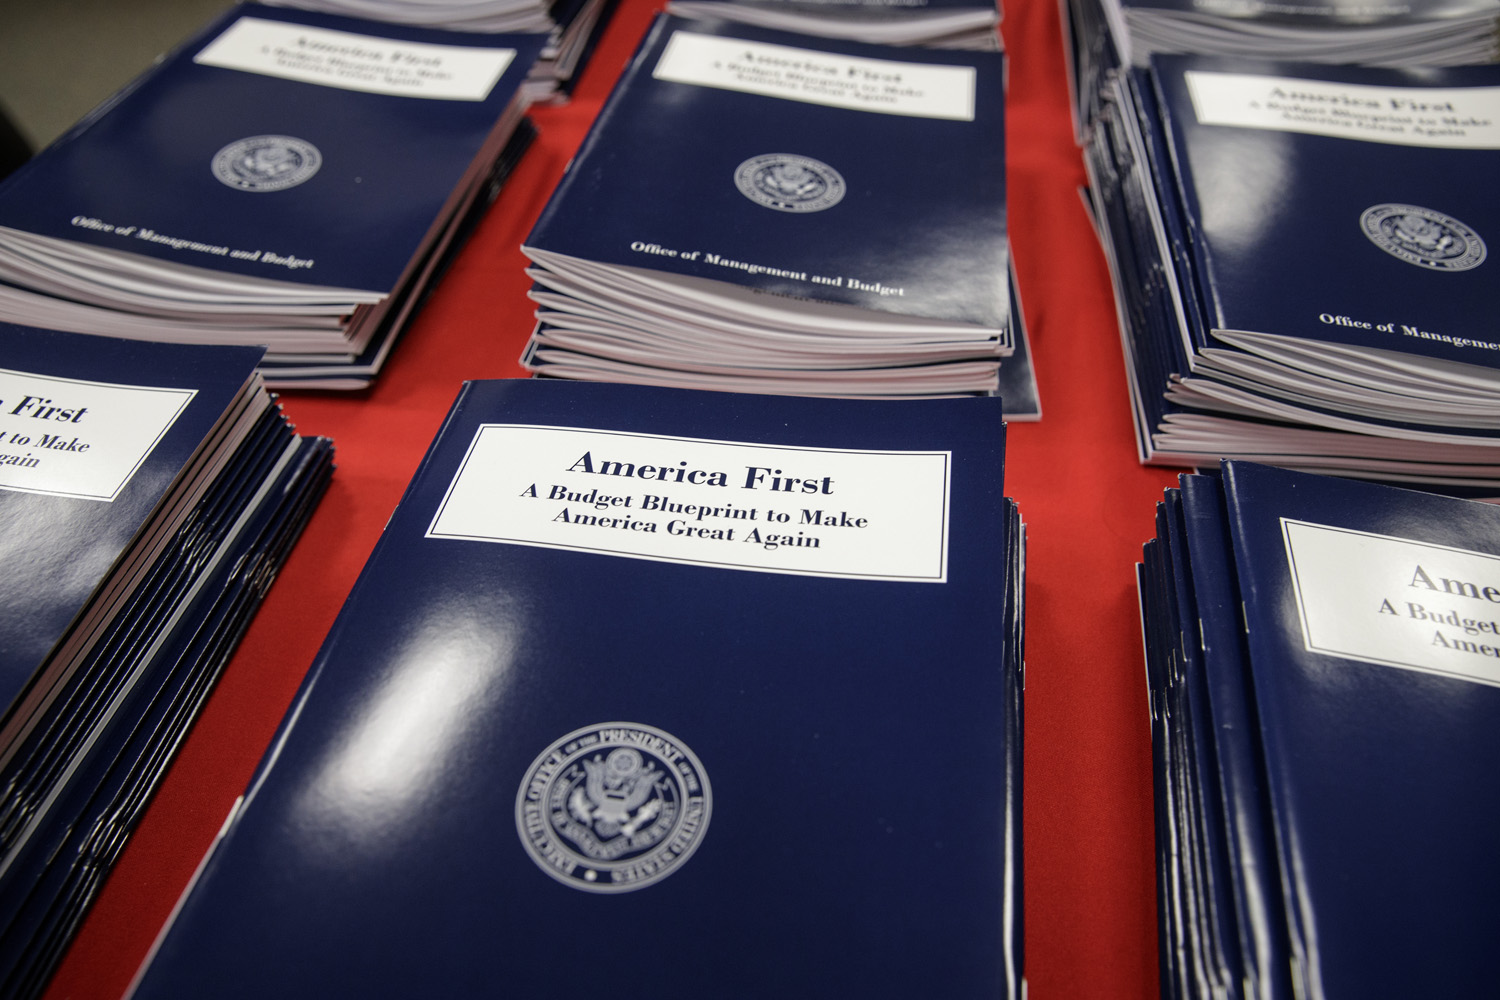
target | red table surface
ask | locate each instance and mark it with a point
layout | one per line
(1088, 504)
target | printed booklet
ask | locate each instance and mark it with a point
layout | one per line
(1321, 655)
(747, 212)
(286, 178)
(1300, 257)
(148, 494)
(733, 672)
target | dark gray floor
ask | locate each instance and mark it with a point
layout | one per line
(59, 58)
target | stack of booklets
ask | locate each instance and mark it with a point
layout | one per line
(693, 693)
(286, 179)
(1321, 655)
(1105, 36)
(1300, 260)
(745, 214)
(944, 24)
(571, 28)
(148, 495)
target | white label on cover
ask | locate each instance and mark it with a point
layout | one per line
(874, 515)
(1457, 118)
(1395, 601)
(886, 86)
(356, 62)
(70, 438)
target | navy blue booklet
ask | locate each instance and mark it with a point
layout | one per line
(1234, 774)
(729, 673)
(1221, 925)
(1372, 645)
(1388, 257)
(148, 494)
(277, 179)
(98, 439)
(554, 352)
(571, 28)
(1176, 931)
(1103, 35)
(75, 794)
(1318, 310)
(751, 193)
(1340, 729)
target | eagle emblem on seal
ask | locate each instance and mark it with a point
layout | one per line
(613, 807)
(788, 182)
(616, 796)
(266, 163)
(1423, 237)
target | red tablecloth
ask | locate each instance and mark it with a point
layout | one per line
(1090, 894)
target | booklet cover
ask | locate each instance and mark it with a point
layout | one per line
(78, 787)
(636, 668)
(149, 493)
(1235, 769)
(1305, 377)
(1360, 195)
(278, 144)
(790, 166)
(94, 434)
(1372, 638)
(1221, 924)
(1319, 661)
(1102, 35)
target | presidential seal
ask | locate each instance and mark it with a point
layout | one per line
(789, 183)
(266, 163)
(613, 807)
(1423, 237)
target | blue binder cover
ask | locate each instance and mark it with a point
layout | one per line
(316, 165)
(596, 717)
(1371, 632)
(795, 166)
(94, 433)
(1350, 205)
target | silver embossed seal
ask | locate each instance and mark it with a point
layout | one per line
(613, 807)
(790, 183)
(266, 163)
(1423, 237)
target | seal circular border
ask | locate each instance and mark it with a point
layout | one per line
(745, 172)
(605, 885)
(1371, 218)
(312, 160)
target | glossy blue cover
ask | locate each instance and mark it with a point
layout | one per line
(1275, 216)
(853, 732)
(56, 549)
(1175, 907)
(1218, 946)
(658, 169)
(1223, 683)
(90, 813)
(143, 161)
(1380, 777)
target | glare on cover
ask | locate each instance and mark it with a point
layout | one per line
(374, 789)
